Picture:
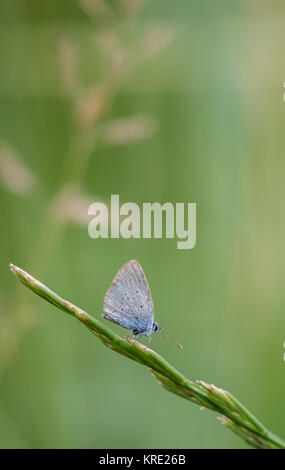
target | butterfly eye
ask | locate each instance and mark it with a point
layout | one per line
(156, 327)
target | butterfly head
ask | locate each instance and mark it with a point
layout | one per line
(155, 327)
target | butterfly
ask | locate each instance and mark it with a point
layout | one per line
(128, 301)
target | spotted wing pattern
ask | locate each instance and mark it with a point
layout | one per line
(128, 300)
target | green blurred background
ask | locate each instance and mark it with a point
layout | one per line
(160, 100)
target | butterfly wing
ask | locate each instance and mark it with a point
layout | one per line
(128, 300)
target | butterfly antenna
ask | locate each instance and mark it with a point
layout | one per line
(168, 335)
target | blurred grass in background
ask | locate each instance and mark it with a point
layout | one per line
(155, 101)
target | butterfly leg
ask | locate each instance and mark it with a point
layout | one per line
(149, 340)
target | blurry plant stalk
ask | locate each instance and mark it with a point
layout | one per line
(233, 414)
(89, 107)
(14, 175)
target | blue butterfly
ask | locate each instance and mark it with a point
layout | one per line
(128, 301)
